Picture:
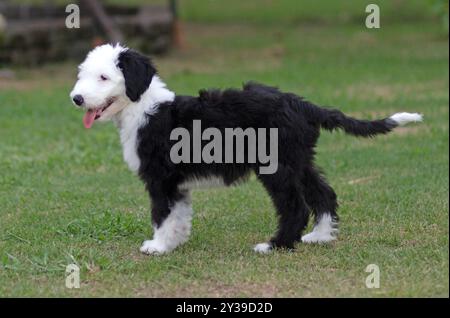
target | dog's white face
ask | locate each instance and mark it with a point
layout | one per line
(110, 79)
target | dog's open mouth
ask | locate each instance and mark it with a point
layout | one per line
(94, 114)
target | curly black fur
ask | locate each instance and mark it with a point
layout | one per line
(296, 188)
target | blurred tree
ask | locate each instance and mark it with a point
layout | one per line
(2, 27)
(441, 8)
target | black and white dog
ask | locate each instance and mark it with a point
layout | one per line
(116, 83)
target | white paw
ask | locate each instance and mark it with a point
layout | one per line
(324, 231)
(317, 237)
(153, 247)
(263, 248)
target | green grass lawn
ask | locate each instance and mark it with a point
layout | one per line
(67, 197)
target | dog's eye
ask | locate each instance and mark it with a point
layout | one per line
(103, 78)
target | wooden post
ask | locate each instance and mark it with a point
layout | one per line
(177, 34)
(106, 23)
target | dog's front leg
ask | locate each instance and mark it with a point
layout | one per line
(171, 216)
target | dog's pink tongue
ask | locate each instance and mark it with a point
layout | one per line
(89, 118)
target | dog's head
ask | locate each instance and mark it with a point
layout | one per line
(110, 79)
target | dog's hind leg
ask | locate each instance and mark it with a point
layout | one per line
(322, 199)
(287, 195)
(171, 222)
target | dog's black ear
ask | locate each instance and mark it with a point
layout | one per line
(138, 72)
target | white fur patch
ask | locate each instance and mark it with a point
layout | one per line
(134, 116)
(154, 247)
(130, 121)
(203, 183)
(173, 231)
(405, 118)
(263, 248)
(101, 61)
(324, 231)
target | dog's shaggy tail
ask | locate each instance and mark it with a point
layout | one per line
(331, 119)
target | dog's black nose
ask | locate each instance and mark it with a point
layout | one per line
(78, 100)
